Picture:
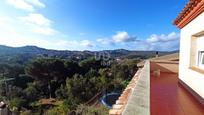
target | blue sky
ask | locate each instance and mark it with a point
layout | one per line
(91, 24)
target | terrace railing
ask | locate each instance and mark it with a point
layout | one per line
(135, 99)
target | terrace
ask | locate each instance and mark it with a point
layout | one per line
(156, 90)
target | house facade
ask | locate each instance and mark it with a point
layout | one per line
(191, 66)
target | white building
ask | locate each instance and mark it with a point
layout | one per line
(191, 67)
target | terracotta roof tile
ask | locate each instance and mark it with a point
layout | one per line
(191, 7)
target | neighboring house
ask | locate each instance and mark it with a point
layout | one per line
(191, 68)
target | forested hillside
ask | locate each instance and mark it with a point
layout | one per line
(40, 81)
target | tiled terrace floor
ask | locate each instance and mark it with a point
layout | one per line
(168, 97)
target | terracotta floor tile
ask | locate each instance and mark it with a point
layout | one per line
(170, 98)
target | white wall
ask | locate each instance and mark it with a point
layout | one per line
(192, 78)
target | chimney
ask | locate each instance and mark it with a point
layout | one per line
(157, 54)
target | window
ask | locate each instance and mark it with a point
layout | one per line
(201, 59)
(197, 52)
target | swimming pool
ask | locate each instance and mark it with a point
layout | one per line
(109, 99)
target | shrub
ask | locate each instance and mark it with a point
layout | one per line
(90, 110)
(17, 102)
(59, 110)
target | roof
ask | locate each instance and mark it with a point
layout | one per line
(192, 9)
(169, 57)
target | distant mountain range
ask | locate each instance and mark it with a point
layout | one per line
(23, 54)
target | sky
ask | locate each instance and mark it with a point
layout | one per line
(91, 24)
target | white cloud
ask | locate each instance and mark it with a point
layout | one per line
(105, 41)
(163, 38)
(44, 30)
(21, 4)
(5, 19)
(39, 24)
(163, 42)
(27, 5)
(16, 33)
(86, 43)
(36, 3)
(123, 36)
(35, 18)
(8, 26)
(120, 37)
(17, 40)
(15, 36)
(61, 44)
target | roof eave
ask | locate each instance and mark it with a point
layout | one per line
(190, 12)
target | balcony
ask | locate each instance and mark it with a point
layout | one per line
(156, 90)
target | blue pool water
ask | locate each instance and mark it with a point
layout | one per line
(109, 99)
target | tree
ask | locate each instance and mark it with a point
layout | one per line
(92, 73)
(22, 81)
(81, 89)
(17, 102)
(105, 77)
(10, 70)
(89, 63)
(61, 92)
(31, 92)
(5, 73)
(47, 71)
(71, 68)
(4, 70)
(14, 91)
(125, 70)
